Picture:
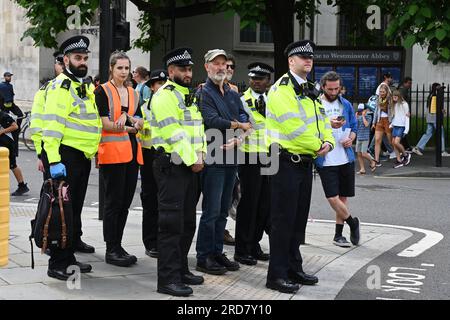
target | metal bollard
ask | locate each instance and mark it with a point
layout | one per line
(4, 206)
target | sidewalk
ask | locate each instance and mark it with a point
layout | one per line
(333, 265)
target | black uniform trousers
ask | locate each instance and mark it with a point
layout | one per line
(253, 211)
(290, 202)
(78, 168)
(178, 193)
(149, 198)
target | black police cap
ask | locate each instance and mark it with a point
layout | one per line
(259, 69)
(59, 57)
(158, 75)
(303, 48)
(179, 57)
(76, 44)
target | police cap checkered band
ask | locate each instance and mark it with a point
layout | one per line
(179, 56)
(303, 48)
(78, 44)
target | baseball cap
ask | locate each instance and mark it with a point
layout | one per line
(212, 54)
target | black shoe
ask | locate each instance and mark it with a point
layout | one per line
(261, 256)
(80, 246)
(341, 242)
(245, 259)
(176, 289)
(302, 278)
(84, 267)
(59, 274)
(130, 256)
(224, 261)
(210, 266)
(119, 259)
(406, 159)
(282, 285)
(21, 190)
(152, 252)
(228, 239)
(192, 279)
(355, 234)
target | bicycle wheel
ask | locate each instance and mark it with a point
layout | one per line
(26, 137)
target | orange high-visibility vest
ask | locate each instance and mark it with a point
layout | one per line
(115, 147)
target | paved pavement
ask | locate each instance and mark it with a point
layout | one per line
(333, 265)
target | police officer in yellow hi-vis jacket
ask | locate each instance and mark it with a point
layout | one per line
(252, 216)
(71, 135)
(37, 112)
(179, 138)
(296, 125)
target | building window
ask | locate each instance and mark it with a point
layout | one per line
(354, 32)
(250, 38)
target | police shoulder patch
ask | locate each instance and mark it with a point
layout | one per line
(169, 87)
(322, 110)
(66, 84)
(284, 81)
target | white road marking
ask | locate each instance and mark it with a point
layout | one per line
(381, 298)
(431, 238)
(427, 265)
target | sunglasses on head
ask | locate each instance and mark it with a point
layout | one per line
(231, 66)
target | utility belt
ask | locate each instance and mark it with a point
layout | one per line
(299, 159)
(167, 160)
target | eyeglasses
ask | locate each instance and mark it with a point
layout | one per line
(231, 66)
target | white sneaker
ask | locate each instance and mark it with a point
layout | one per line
(417, 151)
(392, 155)
(385, 153)
(445, 154)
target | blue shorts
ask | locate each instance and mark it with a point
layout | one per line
(398, 132)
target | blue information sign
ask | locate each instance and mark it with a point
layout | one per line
(319, 71)
(348, 79)
(367, 81)
(395, 72)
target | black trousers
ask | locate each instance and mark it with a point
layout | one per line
(119, 184)
(253, 211)
(149, 198)
(78, 169)
(290, 202)
(178, 193)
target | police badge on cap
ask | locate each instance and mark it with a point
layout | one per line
(157, 75)
(77, 44)
(303, 48)
(259, 69)
(179, 57)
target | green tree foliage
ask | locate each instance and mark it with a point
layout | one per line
(424, 22)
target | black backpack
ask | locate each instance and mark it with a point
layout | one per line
(53, 222)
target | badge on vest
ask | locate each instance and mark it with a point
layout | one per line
(322, 110)
(65, 84)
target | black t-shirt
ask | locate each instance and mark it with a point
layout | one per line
(5, 122)
(101, 99)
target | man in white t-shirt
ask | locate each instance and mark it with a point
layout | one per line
(387, 80)
(337, 168)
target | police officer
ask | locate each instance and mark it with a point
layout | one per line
(71, 135)
(297, 125)
(37, 112)
(179, 138)
(148, 184)
(253, 210)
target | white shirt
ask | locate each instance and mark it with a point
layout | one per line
(298, 78)
(337, 156)
(257, 95)
(400, 119)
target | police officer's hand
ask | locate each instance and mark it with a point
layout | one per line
(40, 165)
(139, 124)
(197, 167)
(324, 149)
(336, 124)
(231, 144)
(245, 126)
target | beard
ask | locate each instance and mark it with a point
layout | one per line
(181, 82)
(329, 98)
(79, 72)
(219, 77)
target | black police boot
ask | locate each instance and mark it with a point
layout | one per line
(224, 261)
(84, 267)
(210, 266)
(60, 274)
(116, 257)
(153, 252)
(175, 289)
(80, 246)
(245, 259)
(282, 285)
(131, 257)
(302, 278)
(192, 279)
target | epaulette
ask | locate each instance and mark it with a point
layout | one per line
(170, 87)
(66, 84)
(284, 81)
(44, 86)
(249, 102)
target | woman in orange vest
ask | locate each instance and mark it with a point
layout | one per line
(119, 154)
